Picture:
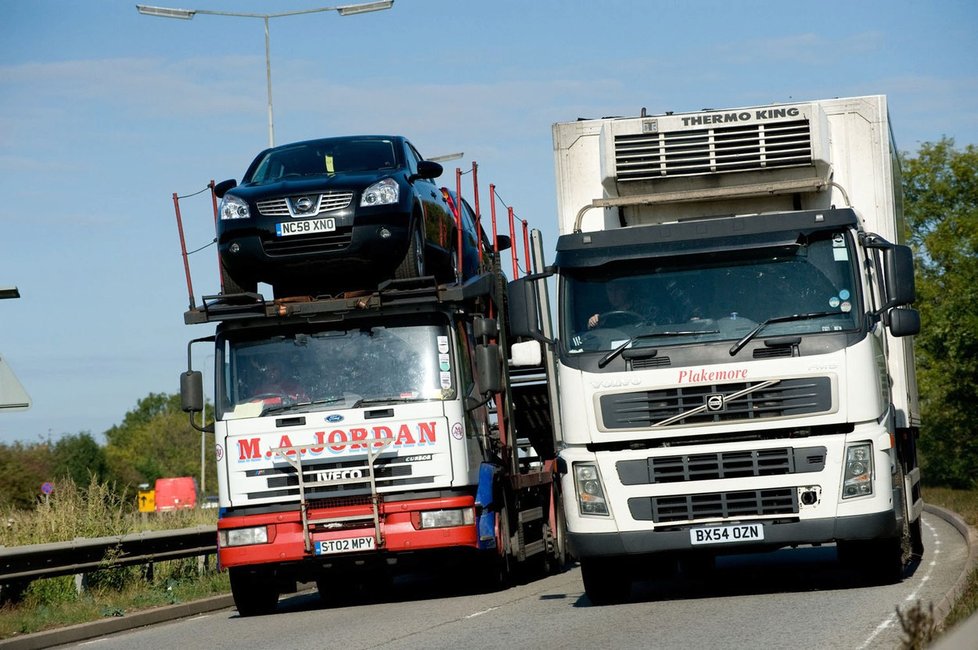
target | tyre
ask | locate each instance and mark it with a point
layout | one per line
(606, 581)
(413, 264)
(254, 592)
(883, 561)
(230, 284)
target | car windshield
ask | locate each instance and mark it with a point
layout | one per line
(807, 288)
(324, 158)
(336, 368)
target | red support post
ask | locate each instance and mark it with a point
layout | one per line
(183, 248)
(512, 237)
(526, 246)
(478, 214)
(458, 223)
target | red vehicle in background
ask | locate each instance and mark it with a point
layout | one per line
(175, 493)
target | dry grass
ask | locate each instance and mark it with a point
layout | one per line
(965, 503)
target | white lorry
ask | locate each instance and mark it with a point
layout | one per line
(734, 352)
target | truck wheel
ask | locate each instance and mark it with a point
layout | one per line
(555, 534)
(413, 266)
(254, 592)
(882, 561)
(230, 284)
(606, 581)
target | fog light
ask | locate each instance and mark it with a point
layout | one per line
(447, 518)
(243, 536)
(384, 233)
(857, 480)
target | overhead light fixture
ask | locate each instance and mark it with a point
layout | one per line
(366, 7)
(166, 12)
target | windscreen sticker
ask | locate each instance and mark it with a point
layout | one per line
(844, 294)
(834, 302)
(846, 306)
(446, 379)
(443, 363)
(443, 344)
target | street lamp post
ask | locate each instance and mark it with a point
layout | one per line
(187, 14)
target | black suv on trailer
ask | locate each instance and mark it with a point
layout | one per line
(332, 214)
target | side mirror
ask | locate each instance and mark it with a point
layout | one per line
(428, 169)
(192, 391)
(904, 322)
(524, 313)
(504, 242)
(222, 188)
(489, 370)
(901, 288)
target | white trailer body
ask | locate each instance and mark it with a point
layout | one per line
(758, 389)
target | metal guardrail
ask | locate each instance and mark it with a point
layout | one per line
(19, 564)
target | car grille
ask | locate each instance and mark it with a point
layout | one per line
(721, 465)
(691, 507)
(785, 398)
(317, 243)
(327, 202)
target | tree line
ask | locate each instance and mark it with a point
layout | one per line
(940, 188)
(154, 440)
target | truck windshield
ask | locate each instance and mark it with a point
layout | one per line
(335, 368)
(720, 297)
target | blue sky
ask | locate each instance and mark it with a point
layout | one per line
(105, 113)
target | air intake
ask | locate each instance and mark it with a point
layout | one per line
(697, 156)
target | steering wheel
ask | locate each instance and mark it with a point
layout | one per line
(618, 318)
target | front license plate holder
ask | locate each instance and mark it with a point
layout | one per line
(726, 534)
(305, 227)
(345, 545)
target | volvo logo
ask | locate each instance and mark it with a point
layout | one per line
(714, 402)
(303, 204)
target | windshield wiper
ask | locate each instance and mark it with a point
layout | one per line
(383, 400)
(297, 405)
(739, 345)
(649, 335)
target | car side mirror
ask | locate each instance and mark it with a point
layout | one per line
(504, 242)
(904, 322)
(222, 188)
(428, 169)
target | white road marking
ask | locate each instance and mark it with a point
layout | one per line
(912, 596)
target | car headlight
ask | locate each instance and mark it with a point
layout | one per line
(233, 207)
(590, 494)
(447, 518)
(858, 478)
(382, 192)
(243, 536)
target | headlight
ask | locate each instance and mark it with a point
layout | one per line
(857, 481)
(447, 518)
(590, 494)
(233, 208)
(382, 192)
(243, 536)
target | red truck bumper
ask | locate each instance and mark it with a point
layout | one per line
(400, 528)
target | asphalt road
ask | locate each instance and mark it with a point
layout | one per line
(797, 598)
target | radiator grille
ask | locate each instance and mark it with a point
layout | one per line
(315, 243)
(721, 465)
(727, 505)
(327, 202)
(688, 404)
(720, 149)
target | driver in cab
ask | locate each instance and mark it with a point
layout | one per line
(622, 303)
